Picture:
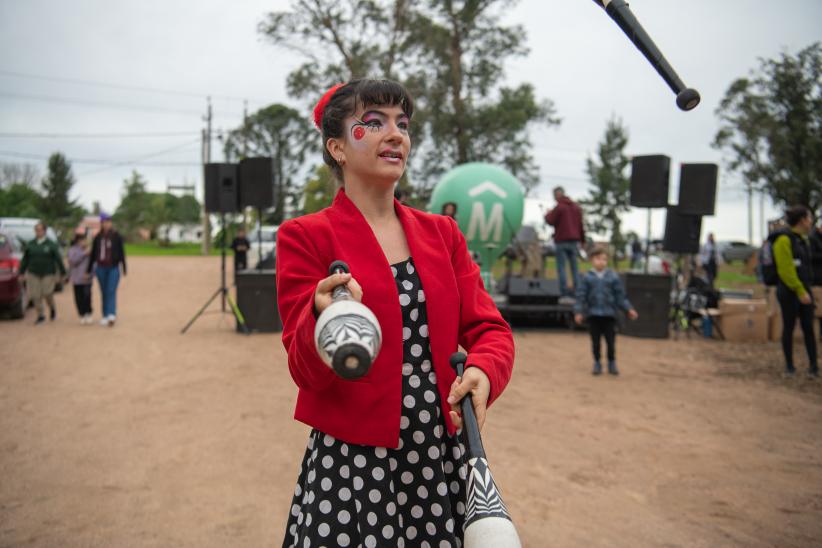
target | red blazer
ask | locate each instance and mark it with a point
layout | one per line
(460, 311)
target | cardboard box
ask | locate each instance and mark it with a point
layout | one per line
(744, 320)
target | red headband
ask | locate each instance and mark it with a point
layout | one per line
(321, 104)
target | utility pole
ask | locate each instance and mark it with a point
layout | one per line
(750, 214)
(206, 159)
(245, 142)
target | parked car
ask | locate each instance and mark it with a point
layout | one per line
(263, 244)
(12, 289)
(735, 251)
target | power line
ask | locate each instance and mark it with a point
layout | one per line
(110, 85)
(138, 159)
(27, 135)
(109, 163)
(97, 104)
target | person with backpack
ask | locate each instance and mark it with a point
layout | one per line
(792, 262)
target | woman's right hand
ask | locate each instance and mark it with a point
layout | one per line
(322, 295)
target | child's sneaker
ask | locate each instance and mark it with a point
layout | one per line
(612, 368)
(597, 368)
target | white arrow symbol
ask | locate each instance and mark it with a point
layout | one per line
(487, 186)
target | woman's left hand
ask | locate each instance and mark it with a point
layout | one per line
(475, 381)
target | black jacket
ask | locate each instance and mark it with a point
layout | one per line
(118, 252)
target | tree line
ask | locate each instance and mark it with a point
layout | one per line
(23, 193)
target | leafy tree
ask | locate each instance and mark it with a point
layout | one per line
(770, 127)
(19, 200)
(449, 53)
(11, 173)
(284, 135)
(185, 209)
(609, 195)
(467, 114)
(141, 209)
(135, 204)
(56, 208)
(319, 191)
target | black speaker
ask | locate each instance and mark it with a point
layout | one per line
(257, 300)
(697, 188)
(221, 188)
(651, 296)
(649, 180)
(256, 183)
(531, 290)
(681, 232)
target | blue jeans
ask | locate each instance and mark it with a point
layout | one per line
(109, 277)
(567, 251)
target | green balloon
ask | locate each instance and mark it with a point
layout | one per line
(489, 201)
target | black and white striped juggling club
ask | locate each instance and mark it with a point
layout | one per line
(347, 335)
(618, 10)
(487, 522)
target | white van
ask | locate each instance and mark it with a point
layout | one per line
(23, 229)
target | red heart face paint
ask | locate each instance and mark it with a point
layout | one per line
(358, 132)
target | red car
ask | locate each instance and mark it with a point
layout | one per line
(12, 290)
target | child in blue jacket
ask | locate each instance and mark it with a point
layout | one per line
(599, 295)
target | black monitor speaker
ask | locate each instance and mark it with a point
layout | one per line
(649, 180)
(256, 183)
(650, 294)
(221, 188)
(697, 188)
(682, 232)
(257, 300)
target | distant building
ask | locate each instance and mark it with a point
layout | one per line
(89, 226)
(177, 233)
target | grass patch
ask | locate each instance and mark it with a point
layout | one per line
(156, 249)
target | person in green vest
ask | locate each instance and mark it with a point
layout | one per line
(792, 257)
(39, 268)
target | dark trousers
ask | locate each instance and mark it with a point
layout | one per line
(82, 298)
(711, 271)
(791, 310)
(599, 326)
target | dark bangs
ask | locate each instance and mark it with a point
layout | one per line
(368, 92)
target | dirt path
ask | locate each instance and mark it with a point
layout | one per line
(138, 436)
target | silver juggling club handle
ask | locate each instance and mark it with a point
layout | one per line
(347, 335)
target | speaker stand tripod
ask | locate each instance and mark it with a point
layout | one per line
(221, 291)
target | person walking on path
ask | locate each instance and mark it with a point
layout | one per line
(569, 234)
(107, 254)
(39, 267)
(599, 295)
(78, 259)
(383, 465)
(793, 260)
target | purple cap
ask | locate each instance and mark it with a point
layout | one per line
(105, 217)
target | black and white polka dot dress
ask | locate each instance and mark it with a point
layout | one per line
(359, 495)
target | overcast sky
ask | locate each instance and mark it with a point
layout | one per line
(159, 60)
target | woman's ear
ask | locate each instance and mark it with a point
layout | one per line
(335, 148)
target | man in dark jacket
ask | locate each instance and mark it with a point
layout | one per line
(566, 218)
(39, 267)
(792, 256)
(107, 254)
